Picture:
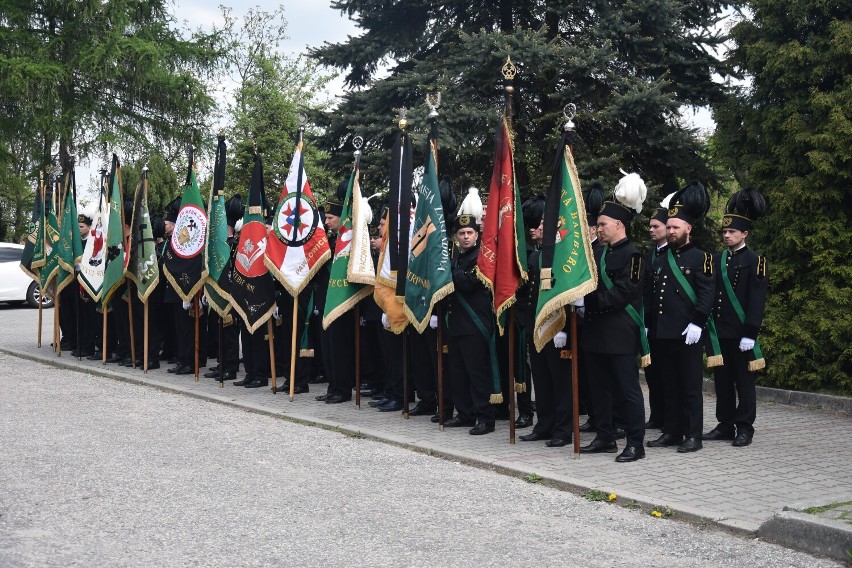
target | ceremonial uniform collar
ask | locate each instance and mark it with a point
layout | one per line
(684, 248)
(740, 250)
(622, 243)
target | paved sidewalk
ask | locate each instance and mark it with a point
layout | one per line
(798, 455)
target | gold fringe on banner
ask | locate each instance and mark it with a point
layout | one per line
(715, 361)
(757, 364)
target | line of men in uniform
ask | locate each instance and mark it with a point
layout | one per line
(677, 287)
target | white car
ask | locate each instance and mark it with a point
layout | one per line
(15, 285)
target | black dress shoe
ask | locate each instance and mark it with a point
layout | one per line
(256, 384)
(316, 380)
(689, 445)
(664, 441)
(524, 421)
(600, 447)
(587, 426)
(337, 399)
(457, 422)
(534, 437)
(390, 406)
(323, 397)
(81, 354)
(619, 433)
(212, 374)
(436, 418)
(718, 433)
(155, 364)
(631, 454)
(298, 389)
(114, 359)
(378, 402)
(126, 363)
(241, 383)
(743, 439)
(173, 369)
(653, 425)
(229, 376)
(185, 370)
(557, 442)
(481, 428)
(422, 410)
(94, 357)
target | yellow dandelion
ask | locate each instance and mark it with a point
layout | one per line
(656, 513)
(612, 497)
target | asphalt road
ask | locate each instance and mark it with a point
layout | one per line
(97, 472)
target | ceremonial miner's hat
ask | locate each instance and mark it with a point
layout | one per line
(234, 209)
(627, 198)
(470, 211)
(158, 227)
(743, 208)
(661, 213)
(128, 210)
(533, 211)
(85, 217)
(334, 207)
(172, 210)
(690, 203)
(594, 201)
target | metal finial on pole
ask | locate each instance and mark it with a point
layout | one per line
(569, 111)
(403, 121)
(357, 142)
(433, 101)
(509, 71)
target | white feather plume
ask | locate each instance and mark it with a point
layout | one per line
(472, 204)
(631, 191)
(238, 226)
(667, 200)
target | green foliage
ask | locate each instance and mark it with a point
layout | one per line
(628, 67)
(164, 184)
(789, 135)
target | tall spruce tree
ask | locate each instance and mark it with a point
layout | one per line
(788, 134)
(629, 67)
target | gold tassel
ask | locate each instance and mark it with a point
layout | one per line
(520, 387)
(546, 277)
(757, 364)
(496, 398)
(645, 361)
(715, 361)
(306, 352)
(444, 349)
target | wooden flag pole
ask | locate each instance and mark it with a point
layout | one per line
(40, 300)
(57, 339)
(575, 396)
(440, 365)
(132, 331)
(104, 335)
(145, 336)
(512, 395)
(357, 357)
(270, 333)
(197, 334)
(293, 348)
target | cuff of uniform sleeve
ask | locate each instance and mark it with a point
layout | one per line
(699, 319)
(591, 303)
(750, 331)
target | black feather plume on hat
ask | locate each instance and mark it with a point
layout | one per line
(744, 207)
(341, 189)
(234, 209)
(690, 203)
(172, 209)
(128, 210)
(158, 226)
(594, 201)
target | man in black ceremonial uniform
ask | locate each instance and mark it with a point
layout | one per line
(682, 297)
(741, 285)
(613, 329)
(471, 350)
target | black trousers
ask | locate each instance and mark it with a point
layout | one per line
(613, 374)
(554, 397)
(736, 399)
(681, 367)
(68, 314)
(522, 372)
(392, 346)
(372, 362)
(255, 353)
(422, 360)
(228, 349)
(89, 322)
(656, 388)
(341, 342)
(185, 336)
(471, 378)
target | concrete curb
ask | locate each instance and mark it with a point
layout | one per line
(626, 499)
(809, 400)
(802, 531)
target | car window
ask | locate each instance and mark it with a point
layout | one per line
(8, 254)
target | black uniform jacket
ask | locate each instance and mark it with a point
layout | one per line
(652, 259)
(608, 327)
(747, 273)
(673, 310)
(469, 287)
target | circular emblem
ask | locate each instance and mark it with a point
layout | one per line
(189, 232)
(249, 256)
(465, 220)
(726, 221)
(673, 212)
(295, 232)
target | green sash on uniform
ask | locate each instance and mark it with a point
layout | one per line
(638, 319)
(714, 356)
(758, 362)
(305, 347)
(497, 396)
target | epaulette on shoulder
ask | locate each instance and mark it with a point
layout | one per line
(635, 266)
(708, 264)
(761, 266)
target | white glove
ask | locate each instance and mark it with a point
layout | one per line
(78, 268)
(579, 302)
(433, 322)
(362, 322)
(204, 300)
(746, 344)
(385, 322)
(276, 314)
(316, 311)
(581, 312)
(560, 340)
(692, 333)
(187, 305)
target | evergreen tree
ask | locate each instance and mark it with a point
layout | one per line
(629, 67)
(788, 134)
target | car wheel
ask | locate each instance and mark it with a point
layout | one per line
(34, 295)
